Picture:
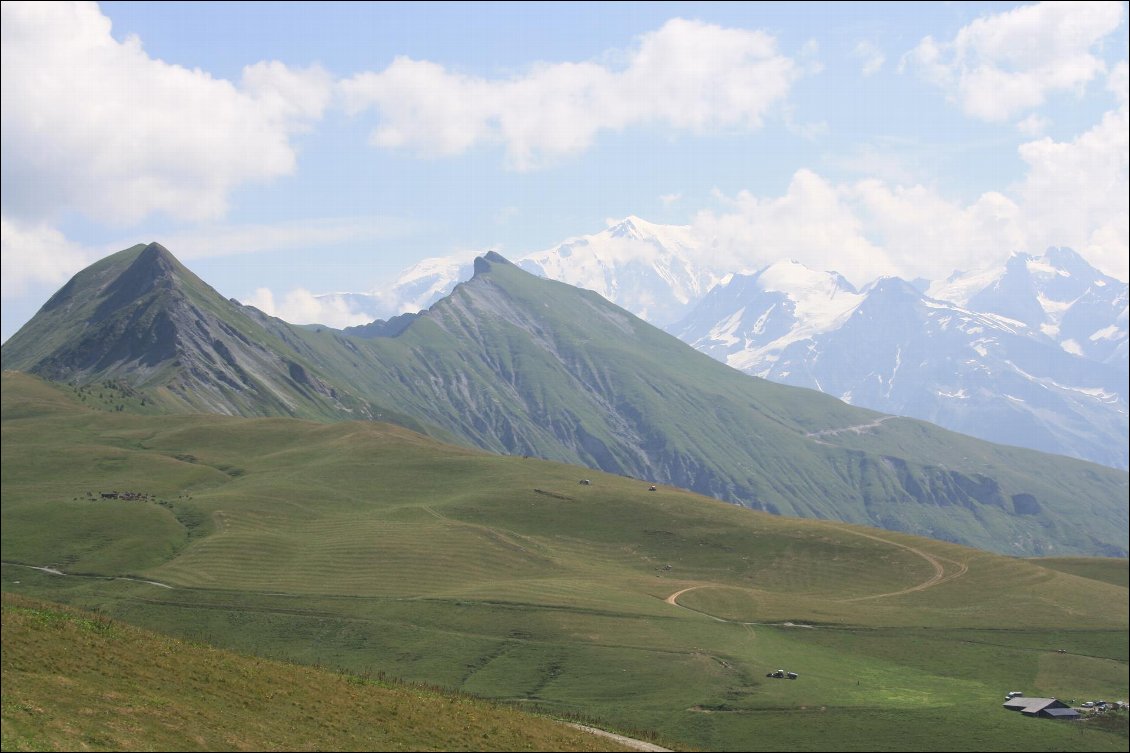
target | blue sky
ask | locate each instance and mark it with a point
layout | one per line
(326, 147)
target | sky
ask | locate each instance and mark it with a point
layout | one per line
(285, 150)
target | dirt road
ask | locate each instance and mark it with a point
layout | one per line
(627, 742)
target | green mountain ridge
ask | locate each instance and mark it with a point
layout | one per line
(519, 365)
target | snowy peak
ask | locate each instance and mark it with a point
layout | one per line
(798, 281)
(751, 320)
(652, 270)
(985, 364)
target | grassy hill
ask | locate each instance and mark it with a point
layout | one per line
(365, 547)
(518, 365)
(75, 680)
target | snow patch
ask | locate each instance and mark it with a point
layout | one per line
(1052, 308)
(759, 325)
(724, 331)
(1041, 268)
(960, 288)
(1113, 332)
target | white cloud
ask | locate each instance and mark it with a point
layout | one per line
(1074, 193)
(1119, 81)
(927, 235)
(687, 75)
(1077, 193)
(36, 253)
(1033, 125)
(811, 224)
(871, 56)
(94, 125)
(300, 306)
(669, 199)
(1003, 64)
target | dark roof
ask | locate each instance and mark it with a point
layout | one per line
(1060, 713)
(1031, 705)
(1045, 704)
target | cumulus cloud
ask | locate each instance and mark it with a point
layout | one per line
(97, 126)
(871, 56)
(37, 253)
(687, 75)
(1003, 64)
(1033, 125)
(1077, 193)
(812, 224)
(300, 306)
(1074, 193)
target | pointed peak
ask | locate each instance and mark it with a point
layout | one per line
(631, 227)
(1066, 258)
(1018, 260)
(887, 286)
(483, 263)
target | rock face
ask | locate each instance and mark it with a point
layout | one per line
(516, 364)
(141, 317)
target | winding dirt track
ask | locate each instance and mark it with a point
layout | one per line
(627, 742)
(940, 576)
(857, 429)
(672, 598)
(55, 571)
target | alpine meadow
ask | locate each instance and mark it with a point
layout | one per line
(565, 376)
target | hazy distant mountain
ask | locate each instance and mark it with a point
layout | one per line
(1001, 359)
(516, 364)
(654, 271)
(646, 268)
(1058, 294)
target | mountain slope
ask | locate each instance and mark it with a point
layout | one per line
(70, 676)
(364, 547)
(515, 364)
(141, 316)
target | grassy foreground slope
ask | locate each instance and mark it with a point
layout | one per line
(78, 681)
(365, 547)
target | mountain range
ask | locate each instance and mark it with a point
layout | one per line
(1031, 353)
(516, 364)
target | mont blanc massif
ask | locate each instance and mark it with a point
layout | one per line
(1032, 353)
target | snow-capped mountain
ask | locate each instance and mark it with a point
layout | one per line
(995, 360)
(417, 288)
(652, 270)
(1031, 353)
(649, 269)
(1058, 294)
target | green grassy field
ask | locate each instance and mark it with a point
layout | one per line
(367, 548)
(74, 680)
